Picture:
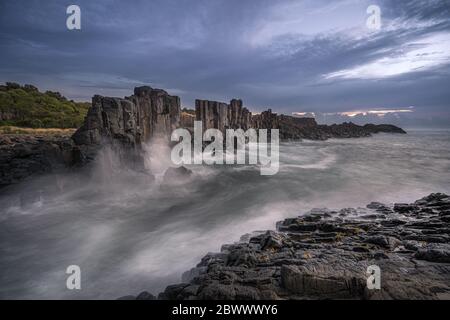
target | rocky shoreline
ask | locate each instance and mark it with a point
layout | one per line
(149, 113)
(23, 155)
(324, 254)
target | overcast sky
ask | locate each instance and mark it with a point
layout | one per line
(292, 56)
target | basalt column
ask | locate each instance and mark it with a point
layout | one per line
(213, 114)
(146, 114)
(158, 112)
(222, 116)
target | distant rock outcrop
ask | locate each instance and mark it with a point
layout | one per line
(388, 128)
(295, 128)
(291, 128)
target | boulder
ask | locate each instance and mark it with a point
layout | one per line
(178, 175)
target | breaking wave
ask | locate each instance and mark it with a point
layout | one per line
(132, 231)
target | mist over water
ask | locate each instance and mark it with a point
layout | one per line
(129, 232)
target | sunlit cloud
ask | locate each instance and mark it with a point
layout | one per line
(304, 114)
(420, 55)
(379, 112)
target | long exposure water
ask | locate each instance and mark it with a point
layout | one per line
(129, 233)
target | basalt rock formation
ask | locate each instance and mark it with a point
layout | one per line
(146, 114)
(187, 120)
(153, 113)
(294, 128)
(290, 128)
(324, 254)
(149, 113)
(128, 122)
(24, 155)
(222, 116)
(124, 123)
(389, 128)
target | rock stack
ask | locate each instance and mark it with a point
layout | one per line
(132, 120)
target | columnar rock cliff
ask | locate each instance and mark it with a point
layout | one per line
(158, 112)
(222, 116)
(213, 114)
(146, 114)
(187, 120)
(151, 113)
(239, 117)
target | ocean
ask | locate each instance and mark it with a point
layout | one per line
(130, 233)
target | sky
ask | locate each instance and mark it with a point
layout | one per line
(305, 58)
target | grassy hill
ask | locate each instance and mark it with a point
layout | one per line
(26, 106)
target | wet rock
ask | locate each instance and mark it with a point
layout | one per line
(327, 258)
(376, 205)
(393, 223)
(22, 156)
(271, 240)
(380, 207)
(189, 275)
(383, 241)
(145, 296)
(173, 292)
(323, 281)
(177, 175)
(132, 120)
(404, 207)
(434, 253)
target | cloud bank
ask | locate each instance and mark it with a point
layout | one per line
(292, 56)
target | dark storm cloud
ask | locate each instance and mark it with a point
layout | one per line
(292, 56)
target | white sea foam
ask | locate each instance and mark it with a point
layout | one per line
(130, 234)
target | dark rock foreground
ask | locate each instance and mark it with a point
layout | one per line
(325, 254)
(24, 155)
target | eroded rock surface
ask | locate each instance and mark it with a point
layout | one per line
(324, 254)
(132, 120)
(24, 155)
(126, 123)
(222, 116)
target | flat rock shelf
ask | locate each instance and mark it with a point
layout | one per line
(325, 254)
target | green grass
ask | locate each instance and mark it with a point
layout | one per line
(5, 130)
(26, 106)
